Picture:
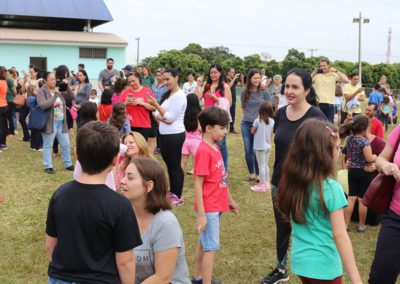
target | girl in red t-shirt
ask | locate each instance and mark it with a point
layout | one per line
(105, 106)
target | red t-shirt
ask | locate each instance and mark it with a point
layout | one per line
(209, 164)
(376, 127)
(137, 115)
(105, 112)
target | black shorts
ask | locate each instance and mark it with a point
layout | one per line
(154, 127)
(144, 131)
(359, 181)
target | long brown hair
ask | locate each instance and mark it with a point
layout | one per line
(247, 90)
(309, 162)
(151, 170)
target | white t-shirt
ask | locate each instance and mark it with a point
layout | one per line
(175, 107)
(189, 88)
(282, 101)
(262, 137)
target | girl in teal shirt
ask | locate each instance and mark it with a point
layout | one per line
(315, 202)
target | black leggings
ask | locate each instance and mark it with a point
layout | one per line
(171, 152)
(386, 265)
(283, 233)
(10, 121)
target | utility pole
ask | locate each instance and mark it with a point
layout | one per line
(389, 52)
(312, 51)
(137, 55)
(360, 20)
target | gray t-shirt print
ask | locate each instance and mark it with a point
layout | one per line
(163, 233)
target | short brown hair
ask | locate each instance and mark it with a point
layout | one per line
(3, 73)
(213, 116)
(325, 59)
(151, 170)
(97, 144)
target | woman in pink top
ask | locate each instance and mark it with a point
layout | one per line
(216, 88)
(386, 265)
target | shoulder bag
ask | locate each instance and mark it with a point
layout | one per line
(380, 191)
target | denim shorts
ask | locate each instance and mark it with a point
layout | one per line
(56, 281)
(209, 239)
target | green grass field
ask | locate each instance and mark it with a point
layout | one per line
(247, 239)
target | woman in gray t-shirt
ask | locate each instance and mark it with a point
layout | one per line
(161, 257)
(252, 97)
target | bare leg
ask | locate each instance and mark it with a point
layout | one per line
(198, 262)
(362, 212)
(184, 161)
(152, 142)
(349, 209)
(207, 266)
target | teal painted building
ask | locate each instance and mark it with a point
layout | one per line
(55, 32)
(49, 49)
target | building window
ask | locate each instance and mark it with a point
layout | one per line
(93, 53)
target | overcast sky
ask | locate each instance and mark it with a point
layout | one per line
(256, 26)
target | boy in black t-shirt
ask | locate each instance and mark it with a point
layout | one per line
(91, 230)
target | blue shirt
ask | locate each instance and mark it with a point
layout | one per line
(375, 97)
(158, 92)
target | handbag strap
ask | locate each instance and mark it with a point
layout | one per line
(395, 148)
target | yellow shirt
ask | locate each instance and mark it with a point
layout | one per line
(353, 105)
(325, 86)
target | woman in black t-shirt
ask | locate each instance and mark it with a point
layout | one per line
(301, 100)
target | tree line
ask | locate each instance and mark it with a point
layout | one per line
(195, 58)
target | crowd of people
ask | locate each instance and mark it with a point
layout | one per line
(117, 211)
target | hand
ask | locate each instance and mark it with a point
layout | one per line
(152, 101)
(233, 207)
(370, 168)
(391, 169)
(78, 107)
(360, 90)
(65, 81)
(333, 69)
(201, 223)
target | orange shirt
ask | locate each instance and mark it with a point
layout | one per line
(3, 93)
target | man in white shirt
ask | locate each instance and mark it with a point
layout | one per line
(190, 85)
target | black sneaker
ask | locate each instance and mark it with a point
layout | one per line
(70, 168)
(50, 171)
(195, 281)
(275, 277)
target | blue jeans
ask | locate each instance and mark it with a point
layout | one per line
(56, 281)
(62, 138)
(23, 113)
(248, 141)
(224, 151)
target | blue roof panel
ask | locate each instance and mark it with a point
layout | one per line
(70, 9)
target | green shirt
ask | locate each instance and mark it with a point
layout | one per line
(314, 253)
(147, 81)
(10, 87)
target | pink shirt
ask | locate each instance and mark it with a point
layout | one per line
(198, 135)
(209, 164)
(208, 101)
(395, 204)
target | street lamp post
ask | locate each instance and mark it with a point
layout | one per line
(137, 55)
(360, 20)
